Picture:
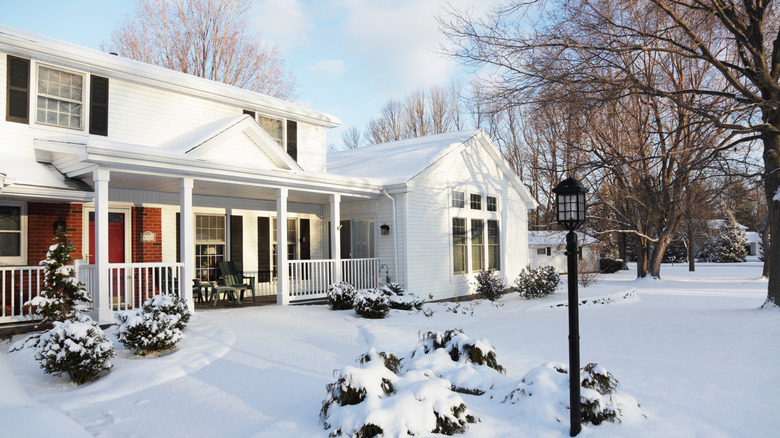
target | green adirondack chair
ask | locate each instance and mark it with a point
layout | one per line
(232, 279)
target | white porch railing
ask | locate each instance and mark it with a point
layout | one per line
(130, 284)
(361, 273)
(310, 278)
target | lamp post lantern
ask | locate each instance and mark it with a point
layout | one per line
(570, 214)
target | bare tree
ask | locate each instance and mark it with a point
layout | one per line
(351, 137)
(593, 42)
(206, 38)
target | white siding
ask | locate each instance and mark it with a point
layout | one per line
(429, 221)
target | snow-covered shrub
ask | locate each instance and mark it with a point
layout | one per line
(62, 296)
(609, 265)
(544, 392)
(77, 347)
(490, 285)
(370, 303)
(155, 327)
(374, 400)
(538, 282)
(341, 295)
(460, 348)
(400, 298)
(731, 242)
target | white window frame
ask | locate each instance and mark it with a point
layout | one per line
(84, 93)
(21, 259)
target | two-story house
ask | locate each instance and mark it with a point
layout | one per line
(157, 176)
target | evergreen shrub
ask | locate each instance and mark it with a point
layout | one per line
(400, 298)
(490, 285)
(341, 295)
(77, 347)
(538, 282)
(371, 303)
(155, 327)
(610, 265)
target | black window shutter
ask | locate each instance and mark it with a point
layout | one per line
(292, 139)
(18, 90)
(178, 237)
(236, 238)
(98, 105)
(346, 239)
(264, 247)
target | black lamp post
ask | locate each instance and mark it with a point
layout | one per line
(570, 213)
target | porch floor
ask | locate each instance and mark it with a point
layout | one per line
(247, 302)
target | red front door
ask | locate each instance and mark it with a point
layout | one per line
(116, 238)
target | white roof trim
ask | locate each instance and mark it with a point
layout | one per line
(45, 49)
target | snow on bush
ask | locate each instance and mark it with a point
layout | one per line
(341, 295)
(374, 399)
(544, 393)
(470, 365)
(371, 303)
(490, 285)
(400, 298)
(537, 282)
(155, 327)
(62, 296)
(77, 347)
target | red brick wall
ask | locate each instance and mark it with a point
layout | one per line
(40, 228)
(146, 219)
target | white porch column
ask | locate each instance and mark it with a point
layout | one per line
(335, 235)
(101, 307)
(186, 240)
(283, 284)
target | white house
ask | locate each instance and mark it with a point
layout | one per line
(157, 175)
(548, 248)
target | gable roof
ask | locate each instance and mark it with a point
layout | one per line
(402, 161)
(45, 49)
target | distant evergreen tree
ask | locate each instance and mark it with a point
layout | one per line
(731, 242)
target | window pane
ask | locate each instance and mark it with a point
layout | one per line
(10, 218)
(458, 199)
(459, 245)
(476, 201)
(10, 244)
(477, 247)
(59, 99)
(494, 246)
(273, 127)
(492, 203)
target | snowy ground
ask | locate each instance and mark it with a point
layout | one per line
(694, 349)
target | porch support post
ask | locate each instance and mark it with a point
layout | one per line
(335, 235)
(283, 284)
(100, 294)
(186, 241)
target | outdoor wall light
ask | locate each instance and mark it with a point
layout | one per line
(570, 214)
(59, 227)
(384, 230)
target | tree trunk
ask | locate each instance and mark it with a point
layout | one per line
(622, 253)
(771, 186)
(765, 246)
(691, 243)
(641, 258)
(658, 250)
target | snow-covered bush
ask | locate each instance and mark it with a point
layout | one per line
(538, 282)
(155, 327)
(609, 265)
(77, 347)
(370, 303)
(470, 365)
(341, 295)
(374, 399)
(400, 298)
(731, 242)
(544, 392)
(62, 296)
(490, 285)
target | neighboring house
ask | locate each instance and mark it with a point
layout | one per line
(753, 243)
(548, 248)
(157, 175)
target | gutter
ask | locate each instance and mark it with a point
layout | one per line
(395, 239)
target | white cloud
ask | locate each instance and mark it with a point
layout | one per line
(285, 23)
(330, 68)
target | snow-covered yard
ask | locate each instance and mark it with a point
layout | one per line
(694, 349)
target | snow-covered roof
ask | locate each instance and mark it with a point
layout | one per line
(42, 48)
(752, 236)
(716, 224)
(396, 162)
(556, 238)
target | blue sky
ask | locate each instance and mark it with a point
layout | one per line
(348, 56)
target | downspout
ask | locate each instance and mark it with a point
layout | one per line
(395, 239)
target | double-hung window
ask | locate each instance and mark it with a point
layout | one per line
(459, 243)
(477, 245)
(209, 245)
(458, 199)
(60, 98)
(493, 246)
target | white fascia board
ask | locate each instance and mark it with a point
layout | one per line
(60, 53)
(36, 192)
